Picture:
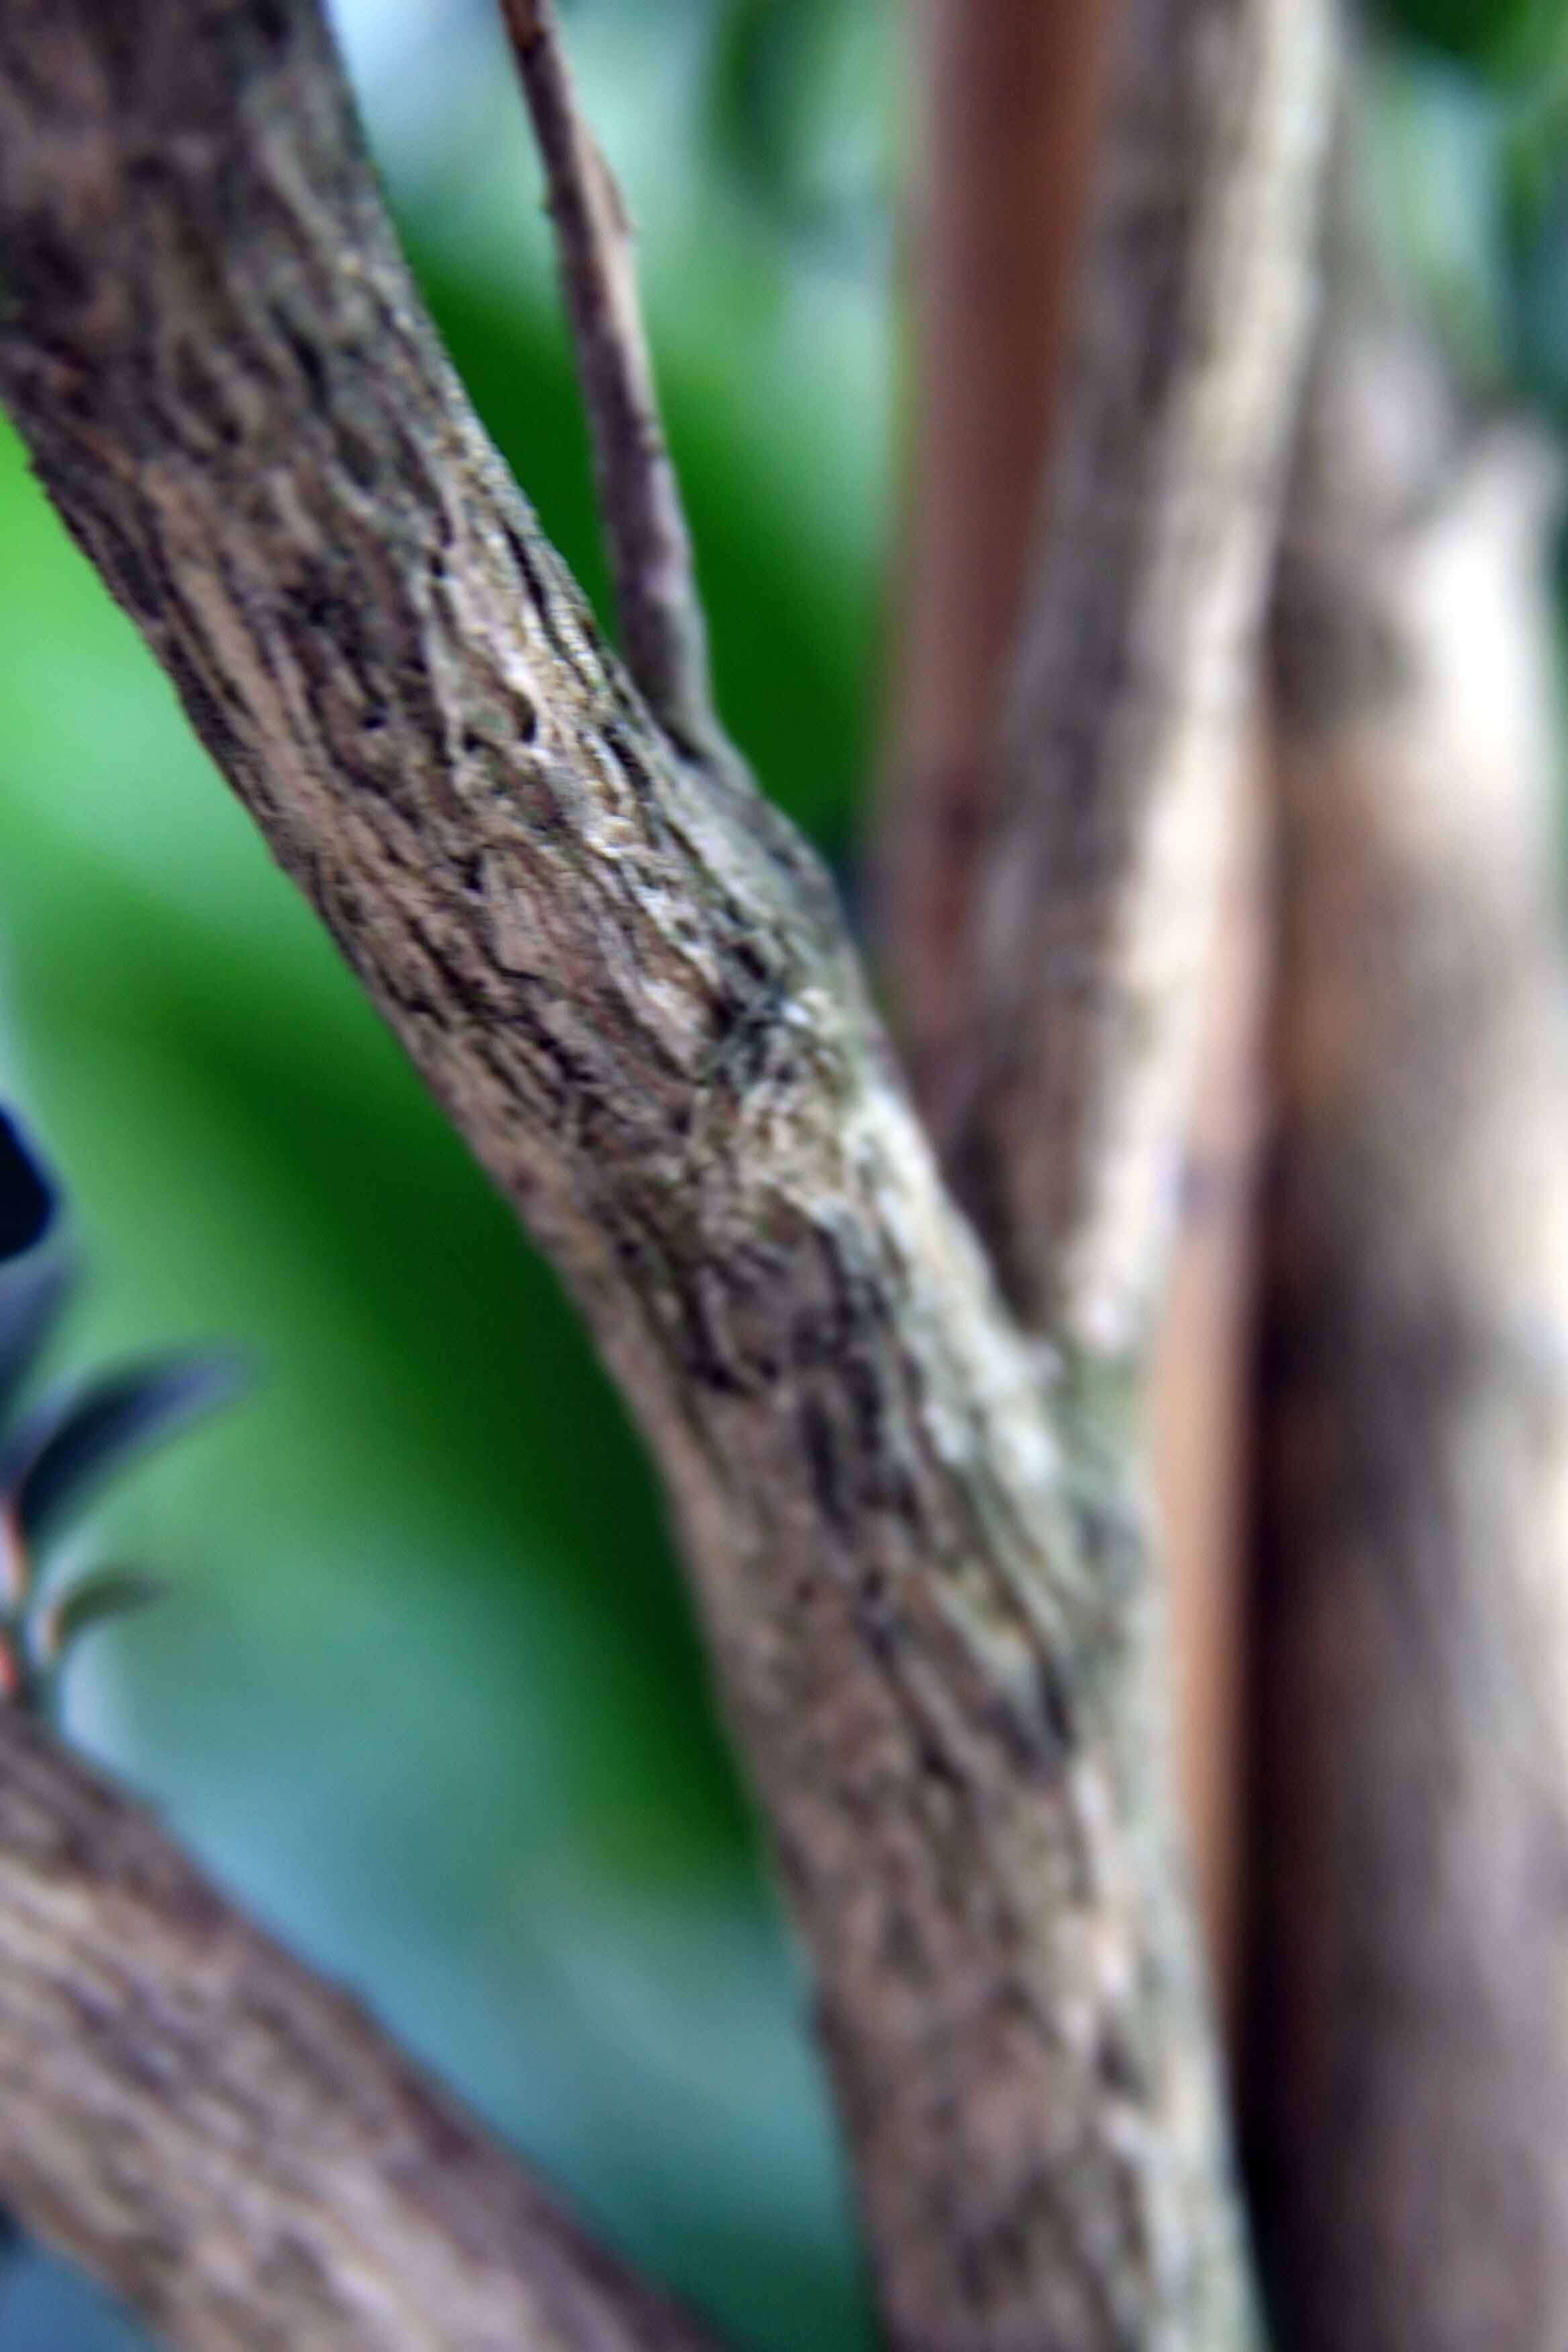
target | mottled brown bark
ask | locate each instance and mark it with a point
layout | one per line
(625, 979)
(232, 2143)
(1409, 2067)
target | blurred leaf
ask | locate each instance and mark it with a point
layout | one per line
(1495, 37)
(798, 113)
(31, 1297)
(27, 1198)
(80, 1437)
(1439, 151)
(94, 1600)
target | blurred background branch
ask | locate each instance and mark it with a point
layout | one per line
(1407, 2066)
(1063, 1117)
(1004, 106)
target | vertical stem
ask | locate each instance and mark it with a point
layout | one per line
(1409, 2075)
(1008, 103)
(1201, 1395)
(663, 632)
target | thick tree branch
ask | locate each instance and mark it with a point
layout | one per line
(1075, 1059)
(627, 981)
(1409, 2077)
(232, 2143)
(662, 629)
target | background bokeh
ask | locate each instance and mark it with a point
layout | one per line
(425, 1691)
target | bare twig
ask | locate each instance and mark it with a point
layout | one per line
(627, 981)
(662, 629)
(232, 2143)
(1137, 663)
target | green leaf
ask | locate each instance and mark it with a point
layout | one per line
(32, 1293)
(29, 1199)
(94, 1600)
(1492, 38)
(76, 1439)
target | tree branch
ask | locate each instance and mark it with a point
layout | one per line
(628, 983)
(1409, 2074)
(664, 635)
(234, 2146)
(1075, 1059)
(1009, 105)
(1202, 1379)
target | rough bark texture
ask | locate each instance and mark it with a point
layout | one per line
(234, 2145)
(628, 983)
(1137, 664)
(1410, 2064)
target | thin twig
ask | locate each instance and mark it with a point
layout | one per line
(663, 633)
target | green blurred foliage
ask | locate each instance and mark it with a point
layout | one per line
(1471, 120)
(426, 1692)
(799, 113)
(1504, 40)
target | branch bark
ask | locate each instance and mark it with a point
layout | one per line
(1409, 2073)
(1065, 1124)
(234, 2145)
(628, 983)
(1011, 106)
